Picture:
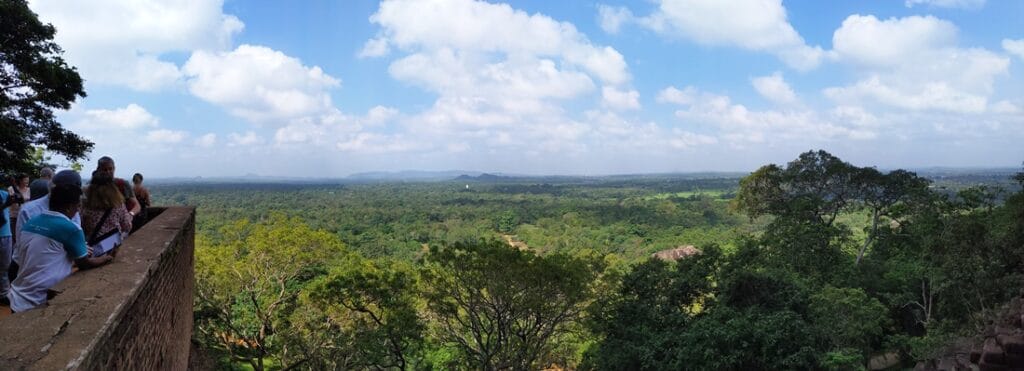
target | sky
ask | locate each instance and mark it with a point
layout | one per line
(330, 88)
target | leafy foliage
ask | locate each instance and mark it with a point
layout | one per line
(836, 264)
(34, 81)
(500, 306)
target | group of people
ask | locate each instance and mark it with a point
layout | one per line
(61, 225)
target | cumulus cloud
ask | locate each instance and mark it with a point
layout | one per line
(207, 140)
(740, 126)
(500, 75)
(260, 84)
(376, 47)
(486, 27)
(964, 4)
(1015, 47)
(246, 139)
(122, 42)
(373, 143)
(683, 139)
(775, 89)
(758, 25)
(130, 117)
(620, 99)
(131, 133)
(673, 95)
(166, 136)
(612, 18)
(913, 63)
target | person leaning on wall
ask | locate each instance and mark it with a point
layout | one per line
(52, 245)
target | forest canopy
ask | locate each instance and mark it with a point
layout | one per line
(815, 264)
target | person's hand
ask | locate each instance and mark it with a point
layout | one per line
(88, 249)
(113, 253)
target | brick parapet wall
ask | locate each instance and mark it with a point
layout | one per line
(133, 314)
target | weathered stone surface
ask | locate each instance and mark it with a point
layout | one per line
(677, 253)
(133, 314)
(990, 367)
(1012, 343)
(883, 361)
(992, 353)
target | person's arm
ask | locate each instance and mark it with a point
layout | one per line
(135, 206)
(74, 244)
(90, 262)
(22, 220)
(125, 221)
(130, 199)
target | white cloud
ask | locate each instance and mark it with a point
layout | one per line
(130, 134)
(1015, 47)
(208, 140)
(913, 63)
(683, 139)
(775, 89)
(485, 27)
(612, 18)
(936, 95)
(866, 40)
(620, 99)
(965, 4)
(260, 84)
(740, 126)
(249, 138)
(380, 114)
(374, 48)
(121, 42)
(758, 25)
(673, 95)
(622, 135)
(500, 74)
(130, 117)
(166, 136)
(372, 143)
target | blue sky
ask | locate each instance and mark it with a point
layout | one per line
(330, 88)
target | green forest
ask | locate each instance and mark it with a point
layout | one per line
(814, 264)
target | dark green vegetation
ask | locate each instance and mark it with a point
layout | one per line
(817, 264)
(34, 81)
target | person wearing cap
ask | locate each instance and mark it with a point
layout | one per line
(36, 207)
(40, 187)
(52, 245)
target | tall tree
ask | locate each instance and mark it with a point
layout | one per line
(34, 81)
(502, 307)
(368, 317)
(248, 283)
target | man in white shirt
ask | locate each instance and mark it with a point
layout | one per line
(50, 243)
(36, 207)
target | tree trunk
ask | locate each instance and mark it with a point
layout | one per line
(871, 236)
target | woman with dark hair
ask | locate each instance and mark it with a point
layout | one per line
(104, 209)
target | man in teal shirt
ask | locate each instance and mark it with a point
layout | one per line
(51, 246)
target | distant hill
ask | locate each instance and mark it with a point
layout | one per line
(485, 177)
(417, 175)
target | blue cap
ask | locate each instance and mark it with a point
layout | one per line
(67, 177)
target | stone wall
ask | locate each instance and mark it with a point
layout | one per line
(132, 314)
